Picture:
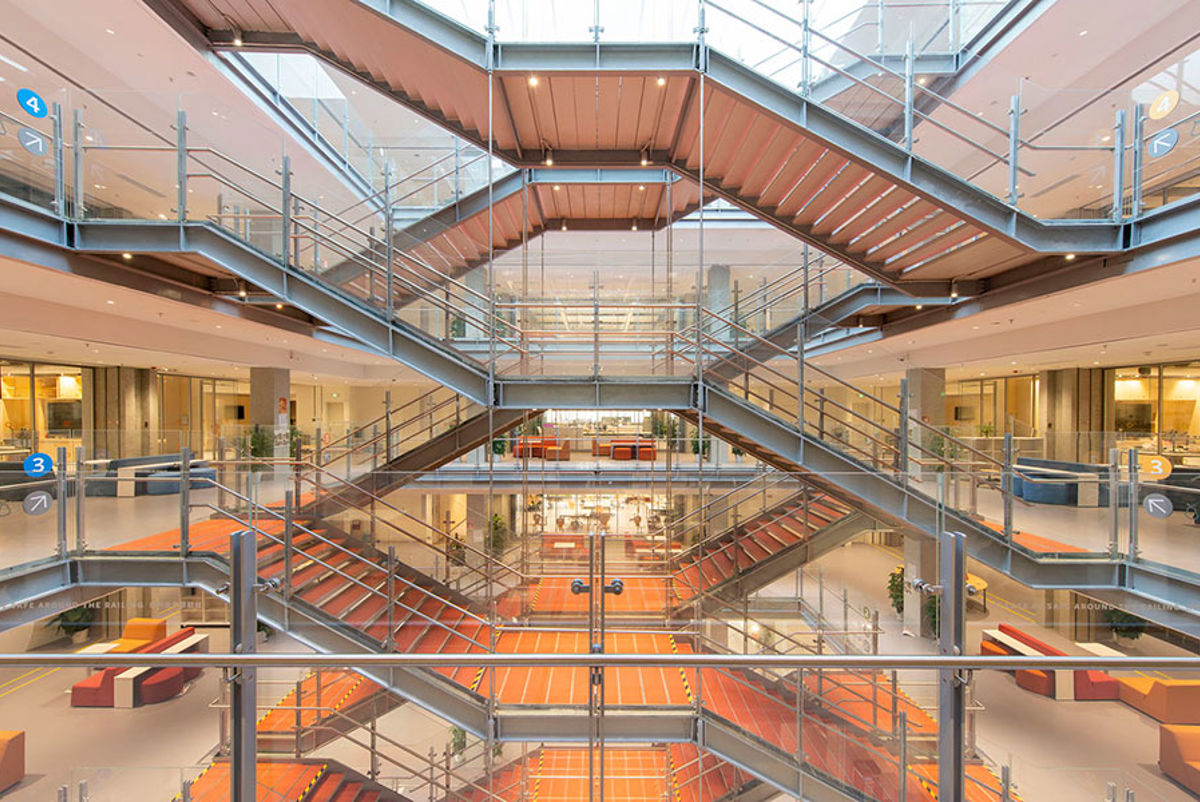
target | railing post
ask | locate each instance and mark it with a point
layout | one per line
(78, 206)
(390, 641)
(1114, 501)
(902, 755)
(83, 791)
(80, 489)
(1006, 487)
(596, 326)
(1134, 551)
(185, 500)
(1118, 207)
(1006, 783)
(951, 684)
(1014, 147)
(243, 702)
(1139, 157)
(388, 245)
(60, 481)
(181, 165)
(60, 168)
(902, 456)
(909, 98)
(289, 514)
(879, 32)
(387, 424)
(298, 749)
(286, 212)
(805, 61)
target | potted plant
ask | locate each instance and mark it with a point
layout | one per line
(76, 622)
(458, 743)
(497, 536)
(1123, 624)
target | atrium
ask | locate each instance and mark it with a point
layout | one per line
(607, 400)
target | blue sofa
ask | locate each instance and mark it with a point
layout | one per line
(159, 466)
(1057, 489)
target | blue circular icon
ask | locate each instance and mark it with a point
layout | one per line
(1162, 143)
(32, 103)
(37, 465)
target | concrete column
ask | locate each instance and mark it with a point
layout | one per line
(270, 396)
(476, 280)
(718, 296)
(920, 562)
(124, 411)
(1069, 414)
(927, 404)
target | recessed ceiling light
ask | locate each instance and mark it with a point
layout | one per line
(920, 307)
(218, 325)
(241, 293)
(533, 80)
(279, 306)
(109, 31)
(127, 256)
(557, 187)
(641, 187)
(1070, 257)
(110, 303)
(1083, 33)
(549, 161)
(661, 81)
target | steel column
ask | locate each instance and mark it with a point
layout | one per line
(1134, 551)
(285, 211)
(1114, 499)
(185, 500)
(60, 189)
(1118, 210)
(902, 457)
(79, 208)
(908, 96)
(1139, 158)
(80, 517)
(1006, 487)
(952, 695)
(1014, 146)
(181, 166)
(243, 701)
(388, 250)
(60, 509)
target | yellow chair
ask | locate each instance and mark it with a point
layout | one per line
(1179, 754)
(138, 632)
(12, 758)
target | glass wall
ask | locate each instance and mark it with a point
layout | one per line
(993, 407)
(1155, 408)
(42, 408)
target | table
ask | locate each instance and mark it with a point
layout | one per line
(1100, 649)
(976, 584)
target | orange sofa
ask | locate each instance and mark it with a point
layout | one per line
(12, 758)
(139, 632)
(1179, 754)
(1088, 685)
(99, 689)
(1171, 701)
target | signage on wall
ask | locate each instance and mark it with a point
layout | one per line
(32, 141)
(32, 103)
(1152, 466)
(37, 502)
(37, 465)
(1158, 506)
(1162, 143)
(1163, 105)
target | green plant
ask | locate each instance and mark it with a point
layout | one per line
(458, 740)
(697, 446)
(265, 629)
(497, 536)
(895, 589)
(933, 612)
(458, 328)
(77, 619)
(500, 446)
(987, 430)
(295, 441)
(1123, 624)
(737, 452)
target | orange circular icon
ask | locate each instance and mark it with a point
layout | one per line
(1164, 104)
(1152, 466)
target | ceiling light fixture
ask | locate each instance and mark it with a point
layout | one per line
(557, 187)
(1070, 257)
(920, 307)
(279, 306)
(127, 256)
(549, 160)
(564, 225)
(634, 227)
(953, 293)
(641, 187)
(533, 80)
(661, 81)
(237, 38)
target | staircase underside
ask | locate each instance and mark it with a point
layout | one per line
(792, 162)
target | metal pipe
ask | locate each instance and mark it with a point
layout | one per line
(1006, 486)
(1014, 145)
(80, 517)
(185, 500)
(60, 479)
(908, 96)
(1134, 551)
(181, 155)
(1139, 157)
(60, 189)
(1118, 207)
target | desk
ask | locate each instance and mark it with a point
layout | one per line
(976, 586)
(1100, 650)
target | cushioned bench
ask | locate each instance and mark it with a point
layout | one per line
(128, 687)
(127, 475)
(161, 484)
(12, 758)
(139, 632)
(1170, 701)
(1081, 685)
(1179, 754)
